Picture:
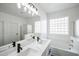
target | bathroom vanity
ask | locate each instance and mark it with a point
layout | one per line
(33, 49)
(30, 47)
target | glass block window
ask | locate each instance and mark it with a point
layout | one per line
(59, 26)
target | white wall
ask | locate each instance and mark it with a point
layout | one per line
(63, 41)
(43, 16)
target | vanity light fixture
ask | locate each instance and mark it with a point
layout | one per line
(28, 7)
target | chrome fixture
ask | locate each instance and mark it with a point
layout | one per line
(19, 47)
(28, 7)
(33, 37)
(14, 44)
(38, 39)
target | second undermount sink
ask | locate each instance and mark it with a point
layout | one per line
(32, 50)
(5, 53)
(28, 52)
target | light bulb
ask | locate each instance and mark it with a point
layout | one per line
(23, 4)
(36, 12)
(26, 5)
(19, 5)
(25, 9)
(29, 12)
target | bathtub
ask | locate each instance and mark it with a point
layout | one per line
(62, 52)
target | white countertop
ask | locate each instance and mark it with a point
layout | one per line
(34, 49)
(30, 48)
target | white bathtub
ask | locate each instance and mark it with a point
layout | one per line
(62, 52)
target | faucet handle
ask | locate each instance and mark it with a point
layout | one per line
(33, 37)
(19, 45)
(38, 38)
(14, 43)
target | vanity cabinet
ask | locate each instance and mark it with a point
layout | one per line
(45, 53)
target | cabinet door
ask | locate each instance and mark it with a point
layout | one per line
(1, 33)
(10, 32)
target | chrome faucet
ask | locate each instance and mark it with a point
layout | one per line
(33, 37)
(19, 47)
(14, 44)
(38, 39)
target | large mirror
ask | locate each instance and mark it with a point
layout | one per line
(15, 22)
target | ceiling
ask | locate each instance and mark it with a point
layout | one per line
(12, 8)
(53, 7)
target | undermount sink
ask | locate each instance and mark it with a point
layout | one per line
(32, 50)
(5, 53)
(28, 52)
